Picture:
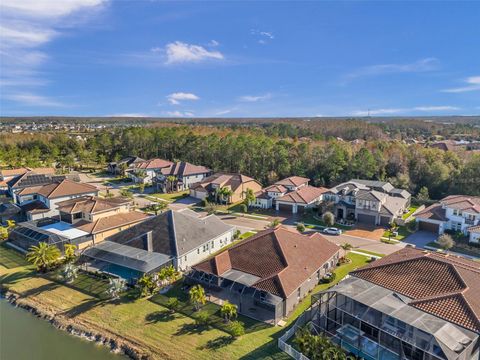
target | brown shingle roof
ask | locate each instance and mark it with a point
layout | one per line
(60, 189)
(443, 285)
(111, 222)
(181, 169)
(463, 202)
(276, 188)
(91, 204)
(304, 195)
(24, 170)
(293, 181)
(234, 181)
(281, 258)
(153, 164)
(433, 212)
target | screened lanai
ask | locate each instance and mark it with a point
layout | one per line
(236, 287)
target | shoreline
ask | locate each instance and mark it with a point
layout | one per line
(113, 343)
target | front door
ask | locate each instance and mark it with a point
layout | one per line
(340, 214)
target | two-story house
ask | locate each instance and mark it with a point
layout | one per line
(211, 187)
(9, 174)
(265, 199)
(117, 167)
(41, 201)
(367, 201)
(83, 221)
(144, 171)
(184, 175)
(457, 213)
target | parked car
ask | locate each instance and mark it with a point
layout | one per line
(332, 231)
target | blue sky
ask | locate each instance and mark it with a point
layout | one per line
(222, 59)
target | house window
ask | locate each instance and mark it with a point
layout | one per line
(198, 251)
(185, 258)
(298, 293)
(457, 212)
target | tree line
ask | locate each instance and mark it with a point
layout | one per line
(261, 155)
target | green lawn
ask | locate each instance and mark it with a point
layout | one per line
(10, 258)
(411, 210)
(171, 197)
(402, 233)
(146, 322)
(310, 219)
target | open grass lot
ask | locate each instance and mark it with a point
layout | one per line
(171, 197)
(146, 322)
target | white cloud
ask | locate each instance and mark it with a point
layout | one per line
(422, 65)
(177, 97)
(213, 43)
(262, 36)
(473, 84)
(255, 98)
(30, 99)
(389, 111)
(26, 26)
(180, 52)
(177, 113)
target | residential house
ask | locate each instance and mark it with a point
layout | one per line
(265, 199)
(412, 304)
(457, 213)
(116, 167)
(185, 175)
(306, 197)
(41, 201)
(238, 184)
(8, 174)
(82, 221)
(367, 201)
(144, 172)
(178, 238)
(268, 274)
(9, 211)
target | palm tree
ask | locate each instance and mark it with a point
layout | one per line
(228, 311)
(43, 255)
(69, 272)
(115, 287)
(226, 194)
(69, 255)
(147, 285)
(170, 182)
(197, 296)
(158, 207)
(249, 197)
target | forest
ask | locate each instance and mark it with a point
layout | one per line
(266, 153)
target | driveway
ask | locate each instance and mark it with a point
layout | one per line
(183, 203)
(359, 243)
(421, 238)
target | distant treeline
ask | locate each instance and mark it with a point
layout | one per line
(258, 153)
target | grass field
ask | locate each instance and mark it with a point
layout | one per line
(145, 321)
(171, 197)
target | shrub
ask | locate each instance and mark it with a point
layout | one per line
(202, 319)
(300, 227)
(237, 234)
(172, 304)
(328, 218)
(236, 329)
(327, 279)
(243, 208)
(445, 241)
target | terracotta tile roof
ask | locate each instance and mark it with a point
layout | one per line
(60, 189)
(35, 207)
(24, 170)
(234, 181)
(181, 169)
(463, 202)
(281, 258)
(433, 212)
(153, 164)
(91, 204)
(304, 195)
(111, 222)
(276, 188)
(474, 229)
(443, 285)
(293, 181)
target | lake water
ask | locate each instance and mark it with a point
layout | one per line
(23, 336)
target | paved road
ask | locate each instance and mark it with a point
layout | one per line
(365, 244)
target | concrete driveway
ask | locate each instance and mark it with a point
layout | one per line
(183, 203)
(359, 243)
(421, 238)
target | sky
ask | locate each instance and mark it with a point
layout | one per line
(239, 58)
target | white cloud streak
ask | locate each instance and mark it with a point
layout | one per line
(422, 65)
(178, 97)
(473, 84)
(30, 99)
(389, 111)
(255, 98)
(179, 114)
(179, 52)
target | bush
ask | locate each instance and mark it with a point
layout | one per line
(236, 329)
(237, 234)
(243, 208)
(328, 218)
(445, 241)
(300, 227)
(172, 303)
(327, 279)
(202, 319)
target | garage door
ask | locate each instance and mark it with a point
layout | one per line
(425, 226)
(285, 207)
(367, 219)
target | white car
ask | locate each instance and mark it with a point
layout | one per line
(332, 231)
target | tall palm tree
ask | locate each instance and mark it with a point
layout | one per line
(170, 182)
(197, 296)
(225, 194)
(43, 255)
(115, 287)
(228, 311)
